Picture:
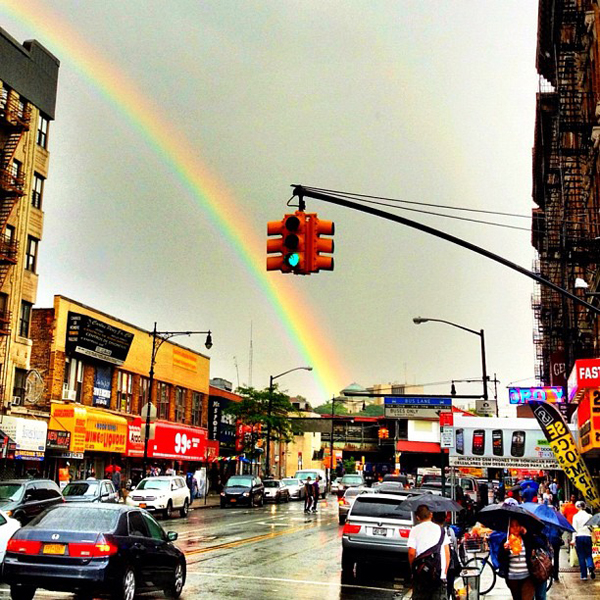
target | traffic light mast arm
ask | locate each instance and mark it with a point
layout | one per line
(303, 192)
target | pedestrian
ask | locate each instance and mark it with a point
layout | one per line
(583, 541)
(429, 542)
(441, 519)
(316, 493)
(308, 494)
(514, 561)
(553, 487)
(116, 479)
(569, 510)
(555, 540)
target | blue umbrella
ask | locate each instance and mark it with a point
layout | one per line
(548, 515)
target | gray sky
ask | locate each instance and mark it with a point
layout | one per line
(421, 101)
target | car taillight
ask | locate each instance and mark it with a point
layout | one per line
(23, 546)
(404, 532)
(98, 550)
(350, 529)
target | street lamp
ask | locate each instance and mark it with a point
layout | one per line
(418, 321)
(272, 378)
(158, 338)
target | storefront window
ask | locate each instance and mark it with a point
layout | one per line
(143, 393)
(124, 397)
(196, 408)
(163, 400)
(180, 405)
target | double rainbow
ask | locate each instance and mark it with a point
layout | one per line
(179, 157)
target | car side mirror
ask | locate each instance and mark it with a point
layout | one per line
(172, 536)
(28, 496)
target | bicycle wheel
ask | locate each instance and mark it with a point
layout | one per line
(549, 582)
(487, 579)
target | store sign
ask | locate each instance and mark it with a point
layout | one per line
(102, 386)
(214, 418)
(28, 435)
(105, 432)
(73, 419)
(179, 442)
(97, 339)
(585, 374)
(518, 395)
(500, 443)
(135, 439)
(565, 449)
(58, 439)
(243, 436)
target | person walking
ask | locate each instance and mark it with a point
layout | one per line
(441, 519)
(308, 495)
(583, 541)
(569, 510)
(424, 536)
(315, 493)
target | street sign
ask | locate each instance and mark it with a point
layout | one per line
(446, 418)
(485, 408)
(447, 437)
(423, 401)
(145, 408)
(411, 412)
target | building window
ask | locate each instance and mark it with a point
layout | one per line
(25, 319)
(37, 191)
(124, 396)
(31, 254)
(196, 408)
(3, 306)
(73, 380)
(162, 409)
(9, 234)
(16, 173)
(42, 133)
(143, 393)
(179, 405)
(19, 386)
(20, 108)
(3, 97)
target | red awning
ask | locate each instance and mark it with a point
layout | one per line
(404, 446)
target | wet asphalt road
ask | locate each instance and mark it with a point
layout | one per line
(275, 551)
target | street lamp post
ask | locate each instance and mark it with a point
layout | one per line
(480, 333)
(272, 378)
(158, 338)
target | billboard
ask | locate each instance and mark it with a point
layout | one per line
(500, 443)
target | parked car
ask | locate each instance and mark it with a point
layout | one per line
(243, 489)
(304, 474)
(391, 487)
(333, 486)
(347, 481)
(161, 495)
(346, 502)
(91, 490)
(403, 479)
(276, 491)
(23, 499)
(8, 526)
(89, 549)
(469, 485)
(295, 487)
(375, 531)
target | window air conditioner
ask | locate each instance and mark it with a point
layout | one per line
(17, 400)
(69, 394)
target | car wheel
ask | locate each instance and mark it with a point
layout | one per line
(22, 592)
(252, 502)
(127, 587)
(262, 501)
(223, 505)
(184, 509)
(342, 519)
(20, 516)
(176, 587)
(169, 510)
(348, 561)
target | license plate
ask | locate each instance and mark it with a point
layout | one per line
(142, 505)
(54, 549)
(233, 500)
(379, 531)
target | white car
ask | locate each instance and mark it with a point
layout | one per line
(295, 487)
(7, 527)
(161, 494)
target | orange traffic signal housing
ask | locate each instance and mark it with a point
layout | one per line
(290, 245)
(321, 245)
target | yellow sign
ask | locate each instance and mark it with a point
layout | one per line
(70, 418)
(185, 360)
(105, 432)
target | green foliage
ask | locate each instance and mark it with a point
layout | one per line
(349, 465)
(373, 410)
(325, 409)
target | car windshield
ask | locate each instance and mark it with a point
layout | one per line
(81, 489)
(387, 508)
(306, 475)
(154, 484)
(352, 479)
(75, 518)
(352, 492)
(241, 481)
(11, 491)
(290, 482)
(432, 479)
(271, 484)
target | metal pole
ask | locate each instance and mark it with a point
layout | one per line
(483, 369)
(331, 442)
(268, 457)
(149, 400)
(443, 469)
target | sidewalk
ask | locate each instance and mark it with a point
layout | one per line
(213, 500)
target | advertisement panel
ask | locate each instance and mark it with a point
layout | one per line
(500, 443)
(97, 339)
(105, 432)
(29, 436)
(102, 384)
(565, 449)
(178, 441)
(73, 419)
(520, 395)
(58, 439)
(135, 440)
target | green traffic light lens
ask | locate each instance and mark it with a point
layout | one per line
(292, 260)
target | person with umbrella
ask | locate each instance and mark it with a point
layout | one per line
(583, 541)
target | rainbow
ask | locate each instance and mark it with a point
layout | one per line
(209, 194)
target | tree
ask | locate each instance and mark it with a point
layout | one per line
(325, 409)
(372, 410)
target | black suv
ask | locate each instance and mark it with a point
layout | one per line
(243, 489)
(24, 499)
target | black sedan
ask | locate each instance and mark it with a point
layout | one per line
(243, 489)
(92, 549)
(91, 490)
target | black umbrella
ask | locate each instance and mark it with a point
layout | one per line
(498, 516)
(594, 521)
(432, 502)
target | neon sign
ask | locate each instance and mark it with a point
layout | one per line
(544, 394)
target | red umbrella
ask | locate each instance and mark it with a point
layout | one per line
(109, 469)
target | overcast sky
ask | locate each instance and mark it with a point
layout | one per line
(422, 101)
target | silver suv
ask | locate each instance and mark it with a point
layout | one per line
(375, 530)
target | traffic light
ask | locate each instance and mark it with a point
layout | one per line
(320, 245)
(290, 246)
(383, 433)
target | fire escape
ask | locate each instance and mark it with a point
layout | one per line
(15, 118)
(563, 160)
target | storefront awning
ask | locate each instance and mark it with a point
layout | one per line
(428, 447)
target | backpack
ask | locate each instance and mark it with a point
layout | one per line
(541, 565)
(427, 567)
